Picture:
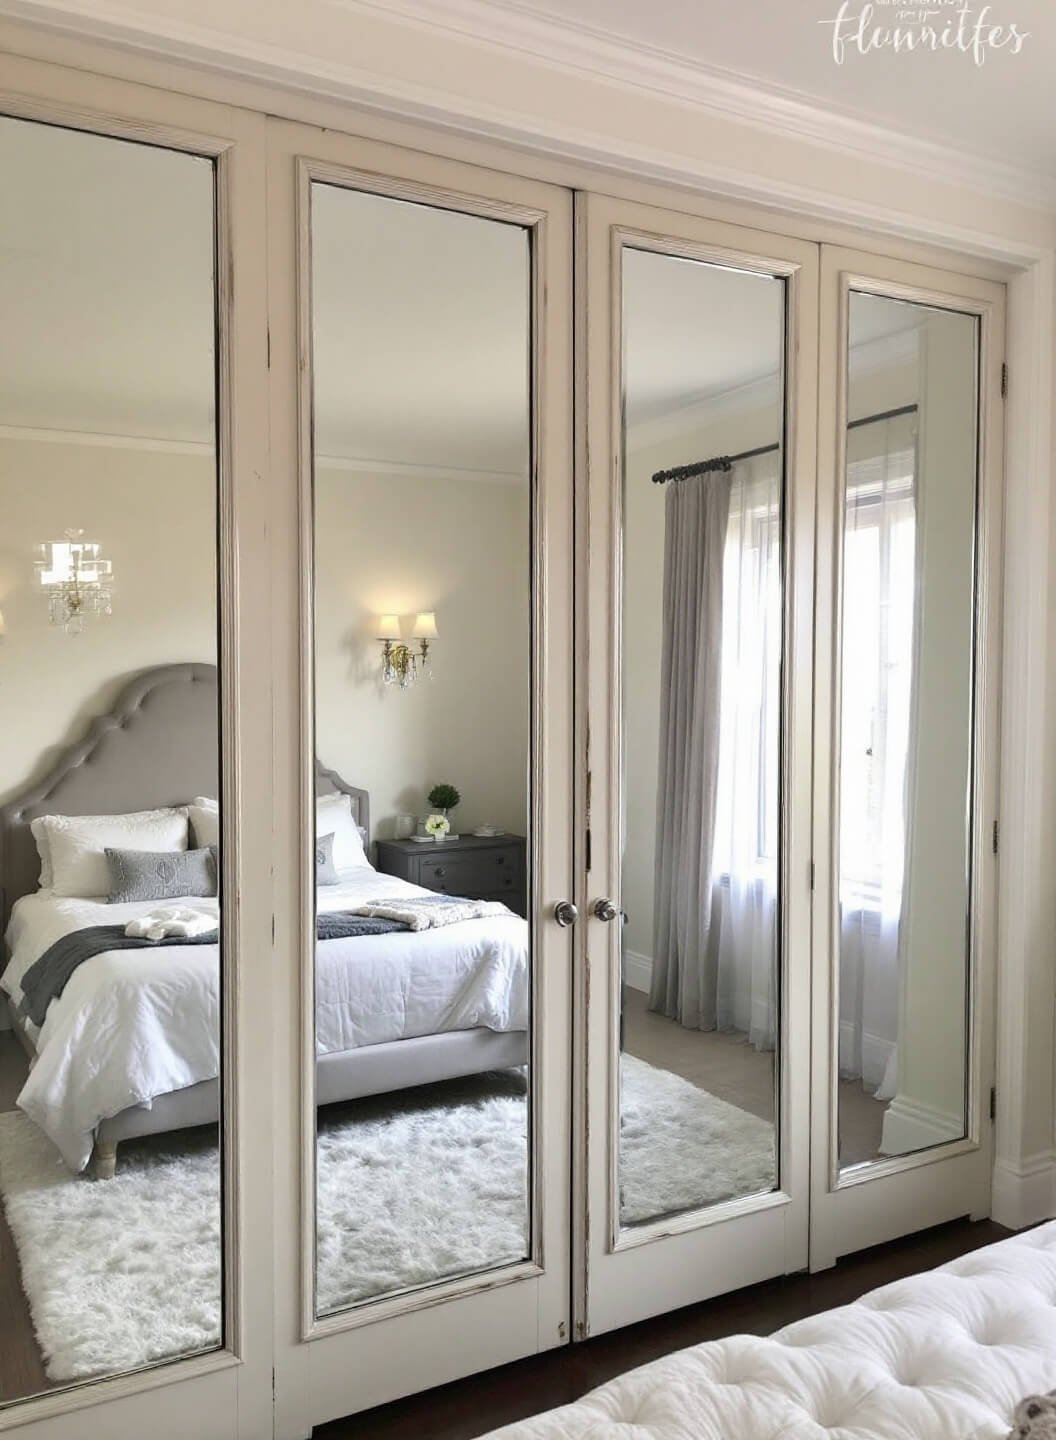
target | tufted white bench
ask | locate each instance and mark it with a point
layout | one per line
(945, 1355)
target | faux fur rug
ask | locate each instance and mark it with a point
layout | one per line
(123, 1272)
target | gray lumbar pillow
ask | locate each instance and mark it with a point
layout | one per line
(325, 870)
(161, 874)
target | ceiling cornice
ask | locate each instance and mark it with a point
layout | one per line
(576, 45)
(557, 43)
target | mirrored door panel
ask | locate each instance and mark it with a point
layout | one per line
(700, 555)
(110, 777)
(421, 343)
(909, 508)
(703, 478)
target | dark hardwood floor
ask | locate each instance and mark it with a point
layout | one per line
(469, 1408)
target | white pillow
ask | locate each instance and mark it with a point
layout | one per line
(333, 815)
(76, 845)
(40, 835)
(204, 815)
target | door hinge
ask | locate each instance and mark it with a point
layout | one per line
(269, 347)
(562, 1332)
(995, 837)
(993, 1102)
(581, 1330)
(1004, 380)
(812, 875)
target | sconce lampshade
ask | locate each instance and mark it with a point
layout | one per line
(388, 627)
(425, 625)
(3, 625)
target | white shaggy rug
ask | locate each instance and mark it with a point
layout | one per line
(124, 1272)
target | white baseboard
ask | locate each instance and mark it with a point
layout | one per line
(913, 1125)
(876, 1051)
(1024, 1193)
(637, 970)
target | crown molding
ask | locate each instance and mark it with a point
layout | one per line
(360, 464)
(574, 44)
(885, 352)
(559, 44)
(110, 440)
(411, 470)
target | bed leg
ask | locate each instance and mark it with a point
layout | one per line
(104, 1158)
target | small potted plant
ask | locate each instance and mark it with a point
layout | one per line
(443, 798)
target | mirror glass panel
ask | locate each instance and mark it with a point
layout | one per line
(909, 537)
(110, 1233)
(421, 347)
(703, 479)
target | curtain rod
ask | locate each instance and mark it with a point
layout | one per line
(725, 462)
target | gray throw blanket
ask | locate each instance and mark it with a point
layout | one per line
(47, 977)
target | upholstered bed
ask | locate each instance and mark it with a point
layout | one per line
(157, 747)
(946, 1355)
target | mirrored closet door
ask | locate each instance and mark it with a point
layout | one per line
(903, 998)
(436, 530)
(121, 1186)
(697, 658)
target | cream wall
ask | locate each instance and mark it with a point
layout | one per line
(154, 515)
(458, 547)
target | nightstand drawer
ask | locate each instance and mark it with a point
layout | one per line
(456, 874)
(484, 872)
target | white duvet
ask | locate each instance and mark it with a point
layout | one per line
(134, 1024)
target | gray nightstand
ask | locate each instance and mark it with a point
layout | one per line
(491, 867)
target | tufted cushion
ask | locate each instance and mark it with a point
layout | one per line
(946, 1355)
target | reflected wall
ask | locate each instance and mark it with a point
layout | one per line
(421, 344)
(906, 726)
(109, 760)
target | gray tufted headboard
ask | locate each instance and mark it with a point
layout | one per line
(157, 746)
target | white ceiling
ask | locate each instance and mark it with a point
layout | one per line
(1002, 109)
(693, 331)
(420, 315)
(421, 334)
(106, 285)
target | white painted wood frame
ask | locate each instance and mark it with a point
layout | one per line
(871, 1203)
(625, 1275)
(225, 1393)
(374, 1352)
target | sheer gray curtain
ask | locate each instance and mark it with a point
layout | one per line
(684, 979)
(877, 753)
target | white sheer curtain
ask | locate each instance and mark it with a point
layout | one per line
(743, 932)
(879, 590)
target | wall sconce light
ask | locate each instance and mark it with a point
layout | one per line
(3, 628)
(76, 579)
(401, 664)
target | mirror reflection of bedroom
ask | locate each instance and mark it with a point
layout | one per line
(422, 561)
(110, 1237)
(703, 354)
(906, 717)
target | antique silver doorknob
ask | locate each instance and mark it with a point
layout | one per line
(606, 910)
(565, 913)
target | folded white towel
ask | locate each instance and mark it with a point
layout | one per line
(175, 920)
(428, 914)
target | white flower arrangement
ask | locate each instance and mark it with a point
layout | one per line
(437, 826)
